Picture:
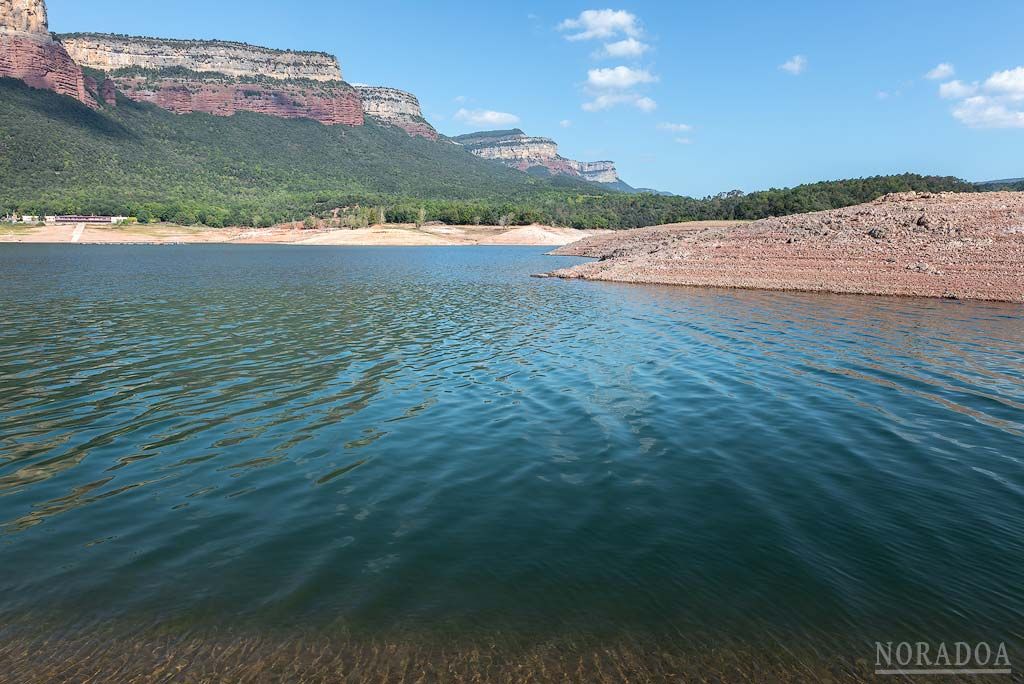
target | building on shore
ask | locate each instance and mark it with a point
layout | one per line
(112, 220)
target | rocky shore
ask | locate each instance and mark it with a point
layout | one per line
(957, 246)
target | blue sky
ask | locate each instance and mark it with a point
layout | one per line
(691, 97)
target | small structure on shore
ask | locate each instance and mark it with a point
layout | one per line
(110, 220)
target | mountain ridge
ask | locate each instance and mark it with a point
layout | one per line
(516, 149)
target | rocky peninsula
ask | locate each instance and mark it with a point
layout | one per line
(951, 245)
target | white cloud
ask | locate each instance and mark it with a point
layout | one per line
(461, 99)
(1002, 105)
(957, 90)
(565, 123)
(615, 86)
(941, 72)
(675, 127)
(684, 141)
(989, 112)
(1010, 82)
(609, 100)
(796, 66)
(486, 117)
(602, 24)
(619, 78)
(645, 104)
(630, 47)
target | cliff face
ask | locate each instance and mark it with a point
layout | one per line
(110, 53)
(28, 53)
(221, 78)
(520, 151)
(396, 108)
(599, 172)
(186, 92)
(24, 16)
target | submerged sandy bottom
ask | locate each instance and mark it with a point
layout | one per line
(102, 653)
(384, 235)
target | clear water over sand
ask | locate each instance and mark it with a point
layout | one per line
(426, 440)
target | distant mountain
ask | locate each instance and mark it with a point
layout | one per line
(1006, 184)
(516, 149)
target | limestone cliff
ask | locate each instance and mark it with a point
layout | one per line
(221, 78)
(28, 53)
(599, 172)
(395, 108)
(520, 151)
(24, 16)
(110, 53)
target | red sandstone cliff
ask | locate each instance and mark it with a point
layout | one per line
(28, 53)
(328, 103)
(43, 65)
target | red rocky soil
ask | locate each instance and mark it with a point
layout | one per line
(961, 246)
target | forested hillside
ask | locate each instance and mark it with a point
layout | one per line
(58, 156)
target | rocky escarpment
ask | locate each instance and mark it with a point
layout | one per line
(599, 172)
(221, 78)
(520, 151)
(395, 108)
(957, 246)
(183, 92)
(111, 53)
(28, 52)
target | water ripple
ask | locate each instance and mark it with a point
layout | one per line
(429, 436)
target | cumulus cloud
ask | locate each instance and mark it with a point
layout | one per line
(998, 103)
(675, 127)
(957, 90)
(796, 65)
(630, 47)
(619, 78)
(565, 123)
(1009, 82)
(614, 86)
(601, 24)
(609, 100)
(486, 117)
(941, 72)
(988, 112)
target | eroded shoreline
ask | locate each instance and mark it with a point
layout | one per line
(956, 246)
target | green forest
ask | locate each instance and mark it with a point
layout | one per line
(58, 156)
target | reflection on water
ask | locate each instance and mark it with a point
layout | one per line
(429, 439)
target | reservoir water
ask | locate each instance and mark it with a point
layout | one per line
(427, 445)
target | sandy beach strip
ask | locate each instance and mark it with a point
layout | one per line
(384, 235)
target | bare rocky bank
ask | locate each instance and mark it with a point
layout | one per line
(959, 246)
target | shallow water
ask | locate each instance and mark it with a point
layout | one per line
(426, 440)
